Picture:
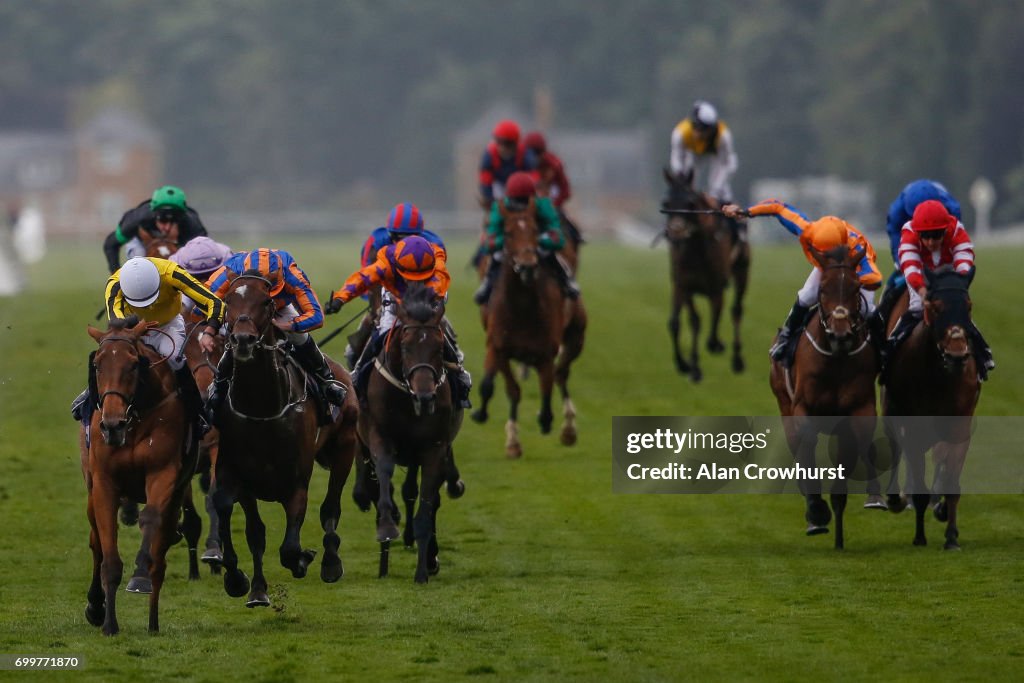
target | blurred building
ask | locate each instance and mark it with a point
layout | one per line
(82, 180)
(610, 170)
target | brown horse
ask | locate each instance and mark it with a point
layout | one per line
(138, 450)
(833, 374)
(528, 319)
(411, 419)
(934, 374)
(269, 439)
(160, 247)
(704, 260)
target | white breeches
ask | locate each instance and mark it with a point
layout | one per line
(808, 294)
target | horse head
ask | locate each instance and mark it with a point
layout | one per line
(682, 196)
(250, 314)
(947, 315)
(421, 343)
(161, 247)
(521, 238)
(839, 301)
(119, 366)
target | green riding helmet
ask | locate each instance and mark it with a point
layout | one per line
(168, 197)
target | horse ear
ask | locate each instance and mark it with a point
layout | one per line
(818, 256)
(94, 333)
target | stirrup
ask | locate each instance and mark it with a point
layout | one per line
(334, 391)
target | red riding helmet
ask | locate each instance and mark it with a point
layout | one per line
(931, 215)
(520, 186)
(536, 142)
(506, 130)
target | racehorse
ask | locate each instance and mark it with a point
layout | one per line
(933, 373)
(269, 439)
(833, 374)
(703, 260)
(411, 419)
(528, 319)
(139, 450)
(160, 247)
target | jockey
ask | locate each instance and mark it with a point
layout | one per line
(504, 156)
(297, 312)
(553, 182)
(201, 256)
(519, 191)
(934, 238)
(152, 289)
(164, 215)
(821, 235)
(702, 145)
(901, 211)
(404, 220)
(412, 258)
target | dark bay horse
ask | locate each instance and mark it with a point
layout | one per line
(704, 261)
(269, 439)
(934, 374)
(528, 319)
(411, 419)
(139, 450)
(833, 374)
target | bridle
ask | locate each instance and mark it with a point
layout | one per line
(246, 318)
(839, 313)
(404, 383)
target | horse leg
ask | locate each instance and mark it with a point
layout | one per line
(546, 374)
(426, 516)
(105, 502)
(140, 581)
(410, 491)
(919, 491)
(715, 344)
(674, 329)
(895, 500)
(236, 583)
(455, 486)
(213, 555)
(256, 538)
(513, 449)
(572, 346)
(331, 567)
(740, 272)
(838, 507)
(695, 372)
(293, 556)
(953, 455)
(486, 386)
(191, 529)
(952, 532)
(163, 504)
(95, 612)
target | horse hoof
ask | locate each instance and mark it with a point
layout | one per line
(715, 346)
(258, 599)
(738, 365)
(421, 577)
(478, 416)
(433, 567)
(212, 556)
(941, 511)
(456, 490)
(568, 437)
(331, 569)
(514, 452)
(362, 500)
(696, 375)
(897, 504)
(139, 584)
(951, 545)
(816, 530)
(818, 514)
(875, 502)
(236, 583)
(388, 532)
(921, 541)
(306, 558)
(129, 514)
(682, 366)
(95, 614)
(215, 569)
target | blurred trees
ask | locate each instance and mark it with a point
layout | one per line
(287, 103)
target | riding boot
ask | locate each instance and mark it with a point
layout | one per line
(560, 267)
(904, 326)
(79, 410)
(483, 293)
(876, 329)
(313, 361)
(982, 352)
(453, 357)
(357, 341)
(794, 321)
(193, 401)
(84, 404)
(217, 393)
(361, 373)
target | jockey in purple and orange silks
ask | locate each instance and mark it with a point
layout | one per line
(411, 259)
(297, 314)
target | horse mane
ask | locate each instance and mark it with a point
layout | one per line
(418, 302)
(121, 324)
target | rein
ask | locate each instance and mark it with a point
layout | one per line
(131, 411)
(838, 313)
(403, 384)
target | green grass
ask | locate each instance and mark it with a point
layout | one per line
(545, 573)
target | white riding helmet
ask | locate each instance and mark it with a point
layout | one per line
(704, 114)
(140, 282)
